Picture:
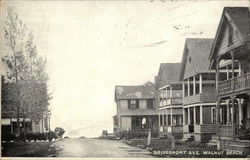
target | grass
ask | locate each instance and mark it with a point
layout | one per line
(191, 149)
(28, 149)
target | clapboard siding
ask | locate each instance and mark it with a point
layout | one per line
(223, 46)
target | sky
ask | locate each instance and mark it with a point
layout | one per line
(93, 46)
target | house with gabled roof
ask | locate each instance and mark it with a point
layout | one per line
(198, 91)
(230, 59)
(136, 109)
(169, 100)
(33, 97)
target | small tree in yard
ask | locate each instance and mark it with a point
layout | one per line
(59, 131)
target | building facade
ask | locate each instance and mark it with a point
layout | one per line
(32, 98)
(230, 58)
(198, 91)
(169, 100)
(136, 109)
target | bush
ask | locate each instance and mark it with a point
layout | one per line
(8, 137)
(52, 135)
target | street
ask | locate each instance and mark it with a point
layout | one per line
(97, 148)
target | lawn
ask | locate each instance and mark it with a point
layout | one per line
(28, 149)
(163, 148)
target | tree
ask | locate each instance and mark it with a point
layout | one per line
(59, 131)
(23, 64)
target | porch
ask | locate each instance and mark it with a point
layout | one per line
(234, 85)
(170, 122)
(199, 122)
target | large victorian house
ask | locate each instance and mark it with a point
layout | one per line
(136, 110)
(198, 91)
(169, 100)
(230, 57)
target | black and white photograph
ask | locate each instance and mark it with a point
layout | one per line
(147, 79)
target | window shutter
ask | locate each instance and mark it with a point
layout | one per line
(137, 103)
(129, 104)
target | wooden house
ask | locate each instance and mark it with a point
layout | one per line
(33, 96)
(198, 91)
(136, 109)
(230, 58)
(169, 100)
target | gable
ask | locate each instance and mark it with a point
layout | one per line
(225, 42)
(161, 79)
(239, 19)
(189, 66)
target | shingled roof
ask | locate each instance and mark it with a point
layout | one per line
(239, 18)
(134, 92)
(198, 49)
(170, 74)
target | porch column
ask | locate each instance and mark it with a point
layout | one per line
(200, 83)
(228, 113)
(188, 87)
(11, 126)
(159, 118)
(184, 116)
(220, 115)
(232, 55)
(194, 115)
(233, 110)
(217, 74)
(171, 118)
(183, 88)
(162, 118)
(240, 73)
(194, 92)
(201, 115)
(240, 110)
(218, 111)
(167, 116)
(227, 72)
(188, 115)
(232, 118)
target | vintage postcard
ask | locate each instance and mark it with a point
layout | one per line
(125, 79)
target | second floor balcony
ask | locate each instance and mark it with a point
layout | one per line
(204, 97)
(233, 85)
(170, 101)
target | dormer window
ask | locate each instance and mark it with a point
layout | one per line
(230, 35)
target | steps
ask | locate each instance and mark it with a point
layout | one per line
(187, 138)
(213, 141)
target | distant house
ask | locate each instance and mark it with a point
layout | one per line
(198, 91)
(169, 99)
(230, 57)
(136, 109)
(33, 96)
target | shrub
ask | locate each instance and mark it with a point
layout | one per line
(8, 137)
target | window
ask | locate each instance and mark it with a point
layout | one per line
(135, 123)
(165, 120)
(150, 103)
(161, 120)
(230, 35)
(133, 103)
(213, 115)
(197, 112)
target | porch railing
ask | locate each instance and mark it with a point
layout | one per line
(235, 84)
(229, 130)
